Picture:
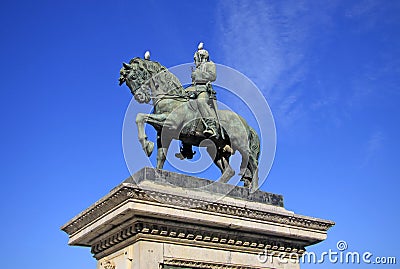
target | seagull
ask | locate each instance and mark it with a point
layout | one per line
(201, 45)
(147, 55)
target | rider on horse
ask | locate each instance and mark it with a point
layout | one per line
(202, 91)
(202, 76)
(176, 116)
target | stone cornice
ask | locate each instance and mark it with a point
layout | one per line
(187, 234)
(128, 191)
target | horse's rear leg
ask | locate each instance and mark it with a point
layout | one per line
(254, 183)
(249, 171)
(244, 171)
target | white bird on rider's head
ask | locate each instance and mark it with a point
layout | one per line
(200, 46)
(147, 55)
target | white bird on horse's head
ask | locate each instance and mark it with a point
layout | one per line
(147, 55)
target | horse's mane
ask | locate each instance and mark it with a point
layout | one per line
(165, 81)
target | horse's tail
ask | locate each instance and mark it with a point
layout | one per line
(254, 147)
(253, 155)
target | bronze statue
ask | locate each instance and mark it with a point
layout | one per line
(176, 116)
(202, 76)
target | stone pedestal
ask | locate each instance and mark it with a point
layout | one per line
(159, 219)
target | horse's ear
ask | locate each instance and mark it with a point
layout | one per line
(127, 66)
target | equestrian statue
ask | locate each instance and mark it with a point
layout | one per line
(191, 116)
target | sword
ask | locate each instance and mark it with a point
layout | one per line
(214, 105)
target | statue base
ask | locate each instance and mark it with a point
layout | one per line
(160, 219)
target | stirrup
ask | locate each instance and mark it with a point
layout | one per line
(210, 133)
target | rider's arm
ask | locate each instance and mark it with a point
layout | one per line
(204, 73)
(210, 73)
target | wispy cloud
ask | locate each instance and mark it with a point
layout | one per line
(373, 146)
(268, 42)
(362, 8)
(273, 42)
(370, 14)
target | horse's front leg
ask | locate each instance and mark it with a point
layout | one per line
(221, 160)
(147, 146)
(227, 171)
(152, 119)
(162, 145)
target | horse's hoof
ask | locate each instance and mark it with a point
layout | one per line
(253, 188)
(179, 156)
(149, 148)
(246, 182)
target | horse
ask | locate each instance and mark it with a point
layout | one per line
(175, 116)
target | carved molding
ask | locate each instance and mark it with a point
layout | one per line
(108, 265)
(208, 235)
(125, 193)
(208, 265)
(96, 210)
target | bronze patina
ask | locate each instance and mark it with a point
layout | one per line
(190, 115)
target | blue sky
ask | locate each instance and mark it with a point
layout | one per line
(329, 70)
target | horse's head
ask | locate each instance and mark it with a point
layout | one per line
(135, 75)
(147, 78)
(135, 82)
(123, 73)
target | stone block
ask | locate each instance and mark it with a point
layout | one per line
(157, 219)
